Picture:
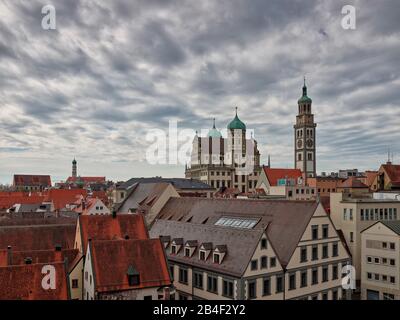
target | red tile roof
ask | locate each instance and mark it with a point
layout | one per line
(32, 180)
(37, 237)
(63, 197)
(353, 183)
(37, 256)
(106, 227)
(274, 174)
(393, 172)
(24, 282)
(102, 195)
(86, 180)
(147, 257)
(7, 202)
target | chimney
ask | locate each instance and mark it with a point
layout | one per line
(9, 255)
(28, 260)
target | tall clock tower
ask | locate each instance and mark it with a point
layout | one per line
(305, 137)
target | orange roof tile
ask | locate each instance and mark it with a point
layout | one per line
(147, 257)
(7, 202)
(37, 237)
(62, 197)
(24, 282)
(32, 180)
(274, 174)
(37, 256)
(352, 182)
(107, 227)
(393, 172)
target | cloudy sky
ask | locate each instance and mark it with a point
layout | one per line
(113, 70)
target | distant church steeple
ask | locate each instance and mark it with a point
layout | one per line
(74, 168)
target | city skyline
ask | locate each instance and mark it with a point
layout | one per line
(94, 87)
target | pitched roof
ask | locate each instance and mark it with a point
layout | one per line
(240, 244)
(37, 237)
(107, 227)
(353, 183)
(286, 219)
(62, 197)
(86, 180)
(37, 256)
(32, 180)
(8, 201)
(275, 174)
(141, 194)
(24, 282)
(393, 172)
(145, 256)
(392, 225)
(178, 183)
(38, 219)
(370, 177)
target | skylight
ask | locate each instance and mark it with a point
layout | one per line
(236, 222)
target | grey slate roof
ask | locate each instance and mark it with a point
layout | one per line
(240, 244)
(286, 220)
(141, 194)
(178, 183)
(392, 225)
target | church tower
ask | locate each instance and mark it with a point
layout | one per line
(74, 169)
(305, 137)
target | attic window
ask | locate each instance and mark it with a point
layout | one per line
(133, 276)
(216, 258)
(187, 252)
(236, 223)
(202, 255)
(173, 249)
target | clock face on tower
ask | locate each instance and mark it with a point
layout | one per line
(299, 143)
(310, 143)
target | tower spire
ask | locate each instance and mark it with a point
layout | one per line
(304, 87)
(214, 123)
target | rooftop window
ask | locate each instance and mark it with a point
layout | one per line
(236, 223)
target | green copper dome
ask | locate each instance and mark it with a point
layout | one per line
(236, 123)
(214, 133)
(305, 98)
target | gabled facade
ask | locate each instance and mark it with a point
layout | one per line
(140, 274)
(271, 249)
(380, 258)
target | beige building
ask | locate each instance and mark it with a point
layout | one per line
(353, 213)
(231, 162)
(380, 258)
(286, 183)
(251, 249)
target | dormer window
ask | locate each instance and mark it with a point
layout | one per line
(133, 276)
(202, 255)
(176, 245)
(205, 250)
(187, 252)
(219, 253)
